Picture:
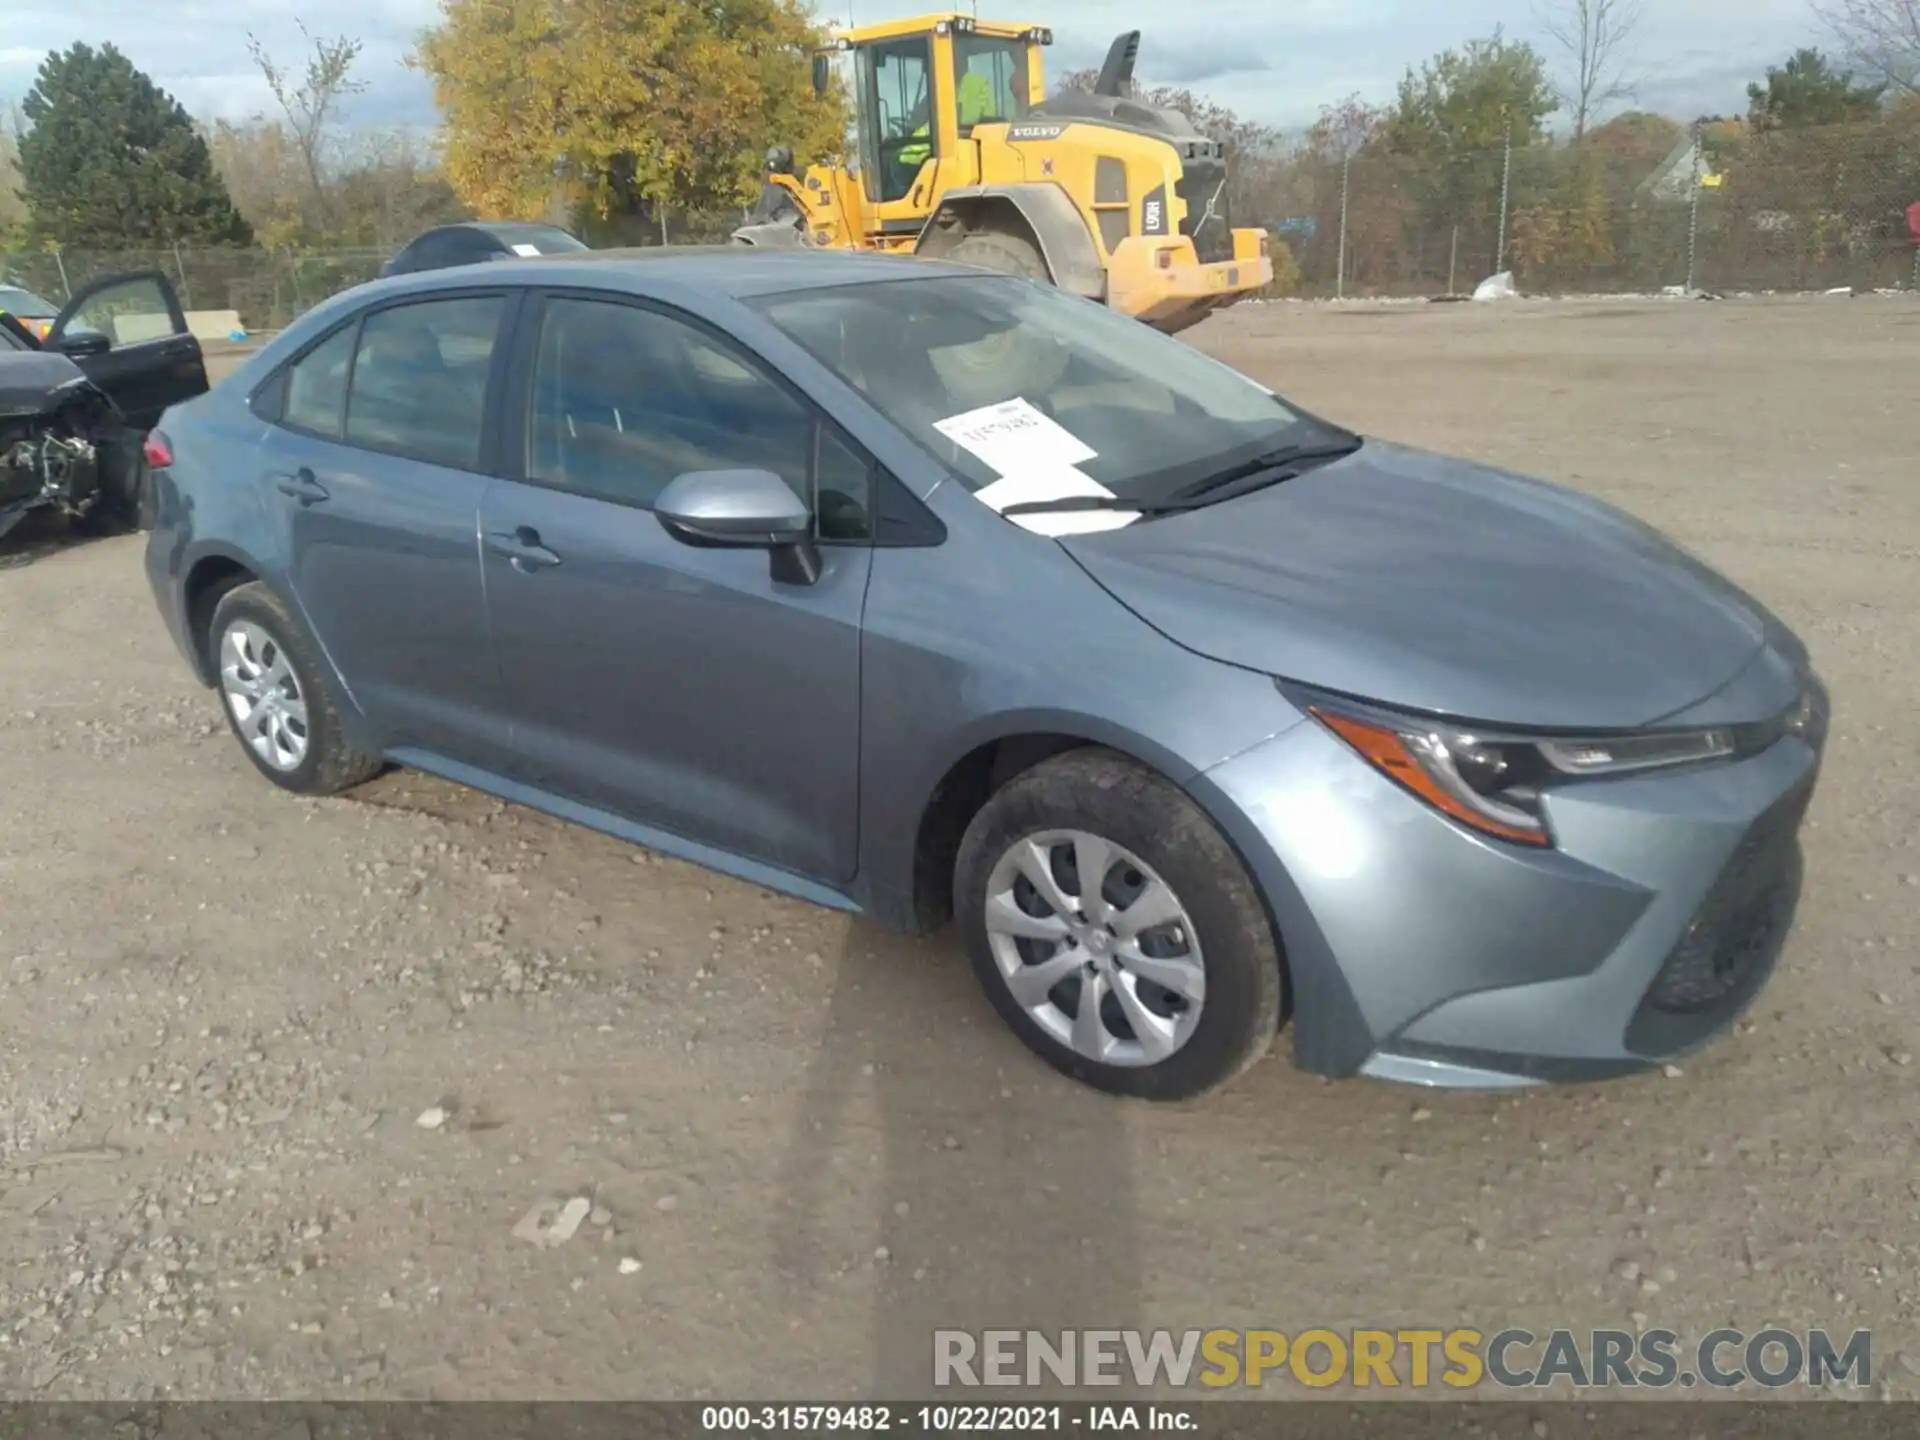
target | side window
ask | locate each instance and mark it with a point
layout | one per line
(990, 80)
(626, 399)
(316, 386)
(126, 313)
(843, 489)
(420, 379)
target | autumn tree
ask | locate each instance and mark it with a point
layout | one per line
(1809, 90)
(13, 209)
(1882, 37)
(312, 101)
(623, 105)
(112, 161)
(378, 188)
(1593, 36)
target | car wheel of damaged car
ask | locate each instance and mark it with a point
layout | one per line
(277, 697)
(122, 472)
(1116, 931)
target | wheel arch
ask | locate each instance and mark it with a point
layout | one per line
(208, 580)
(1044, 214)
(983, 761)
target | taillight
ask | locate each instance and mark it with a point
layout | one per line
(158, 450)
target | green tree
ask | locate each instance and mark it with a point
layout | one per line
(623, 105)
(1809, 90)
(1473, 99)
(112, 161)
(1451, 123)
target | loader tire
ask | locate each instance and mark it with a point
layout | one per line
(1001, 250)
(988, 373)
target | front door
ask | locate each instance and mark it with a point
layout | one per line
(678, 687)
(373, 472)
(901, 133)
(130, 336)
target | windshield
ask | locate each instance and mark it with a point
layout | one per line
(1143, 414)
(24, 302)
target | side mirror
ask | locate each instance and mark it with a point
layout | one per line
(743, 510)
(822, 74)
(83, 342)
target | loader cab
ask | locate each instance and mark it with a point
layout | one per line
(920, 87)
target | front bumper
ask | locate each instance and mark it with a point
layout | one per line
(1180, 289)
(1422, 953)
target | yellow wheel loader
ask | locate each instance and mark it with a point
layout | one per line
(962, 157)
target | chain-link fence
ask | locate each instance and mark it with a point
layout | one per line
(1791, 210)
(268, 287)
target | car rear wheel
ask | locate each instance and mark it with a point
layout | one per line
(277, 696)
(1116, 931)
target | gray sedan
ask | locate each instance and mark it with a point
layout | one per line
(925, 593)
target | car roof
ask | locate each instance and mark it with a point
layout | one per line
(14, 294)
(499, 229)
(734, 271)
(674, 273)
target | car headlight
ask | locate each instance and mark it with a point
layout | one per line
(1493, 782)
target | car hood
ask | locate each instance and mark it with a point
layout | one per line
(1444, 586)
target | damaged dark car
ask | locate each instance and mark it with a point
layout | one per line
(75, 407)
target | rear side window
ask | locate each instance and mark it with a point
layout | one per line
(317, 386)
(419, 381)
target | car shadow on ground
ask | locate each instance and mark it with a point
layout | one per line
(39, 535)
(1038, 1230)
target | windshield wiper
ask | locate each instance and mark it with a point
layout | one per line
(1103, 502)
(1267, 469)
(1264, 470)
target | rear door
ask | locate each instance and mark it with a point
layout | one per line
(374, 472)
(129, 334)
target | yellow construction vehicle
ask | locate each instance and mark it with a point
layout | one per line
(961, 156)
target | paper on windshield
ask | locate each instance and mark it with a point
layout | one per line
(1013, 436)
(523, 249)
(1037, 460)
(1060, 482)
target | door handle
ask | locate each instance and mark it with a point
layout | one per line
(521, 548)
(301, 486)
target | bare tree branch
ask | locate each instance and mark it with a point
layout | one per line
(1880, 36)
(313, 103)
(1595, 34)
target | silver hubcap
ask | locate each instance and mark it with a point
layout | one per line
(1095, 947)
(268, 709)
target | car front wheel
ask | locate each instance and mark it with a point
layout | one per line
(1116, 931)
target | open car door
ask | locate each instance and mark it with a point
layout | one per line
(129, 334)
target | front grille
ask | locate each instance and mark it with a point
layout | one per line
(1741, 923)
(1203, 186)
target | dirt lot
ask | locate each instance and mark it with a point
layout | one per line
(224, 1012)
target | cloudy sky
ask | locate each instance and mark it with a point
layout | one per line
(1277, 62)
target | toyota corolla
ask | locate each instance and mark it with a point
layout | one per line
(931, 594)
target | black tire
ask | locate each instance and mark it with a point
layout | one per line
(1001, 250)
(1100, 792)
(122, 465)
(331, 764)
(991, 370)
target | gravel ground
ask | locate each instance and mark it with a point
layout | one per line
(285, 1076)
